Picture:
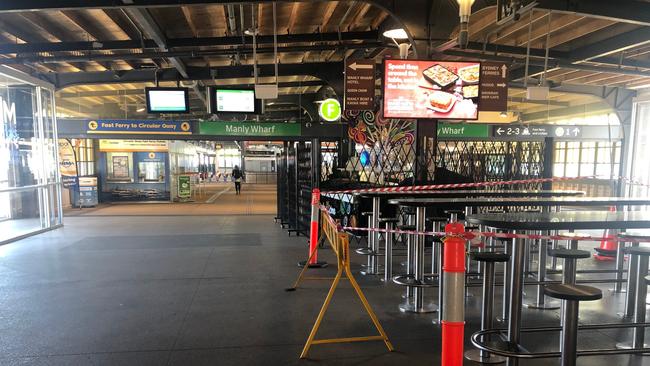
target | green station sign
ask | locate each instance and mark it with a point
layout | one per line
(257, 129)
(452, 130)
(184, 186)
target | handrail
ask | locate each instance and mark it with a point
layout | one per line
(27, 188)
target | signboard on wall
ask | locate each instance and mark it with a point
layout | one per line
(144, 127)
(359, 84)
(563, 132)
(455, 130)
(184, 186)
(249, 129)
(67, 163)
(431, 89)
(519, 132)
(494, 87)
(132, 145)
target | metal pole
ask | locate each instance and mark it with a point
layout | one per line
(569, 333)
(419, 259)
(435, 250)
(632, 276)
(376, 202)
(506, 285)
(488, 294)
(641, 294)
(516, 288)
(569, 271)
(388, 253)
(620, 264)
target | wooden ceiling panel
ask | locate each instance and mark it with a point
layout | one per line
(172, 21)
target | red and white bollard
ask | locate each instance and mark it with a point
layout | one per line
(313, 234)
(453, 303)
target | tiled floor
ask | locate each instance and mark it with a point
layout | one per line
(209, 290)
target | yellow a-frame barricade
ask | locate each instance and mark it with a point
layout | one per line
(339, 241)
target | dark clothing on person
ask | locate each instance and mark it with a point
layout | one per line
(237, 177)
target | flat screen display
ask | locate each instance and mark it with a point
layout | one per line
(431, 89)
(167, 100)
(234, 100)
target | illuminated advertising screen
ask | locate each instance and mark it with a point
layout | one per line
(167, 100)
(431, 89)
(233, 101)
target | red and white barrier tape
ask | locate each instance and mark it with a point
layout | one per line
(470, 235)
(429, 187)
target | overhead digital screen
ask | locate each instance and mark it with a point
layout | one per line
(431, 89)
(234, 100)
(167, 100)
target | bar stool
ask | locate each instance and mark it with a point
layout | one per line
(412, 304)
(570, 257)
(453, 214)
(371, 251)
(368, 248)
(641, 292)
(436, 253)
(571, 295)
(488, 259)
(409, 258)
(389, 223)
(630, 295)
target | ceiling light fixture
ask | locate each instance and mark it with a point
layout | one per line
(503, 114)
(141, 109)
(397, 33)
(251, 32)
(464, 11)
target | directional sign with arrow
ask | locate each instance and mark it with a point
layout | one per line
(355, 65)
(494, 87)
(359, 84)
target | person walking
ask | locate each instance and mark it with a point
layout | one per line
(236, 177)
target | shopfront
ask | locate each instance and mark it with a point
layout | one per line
(133, 170)
(30, 186)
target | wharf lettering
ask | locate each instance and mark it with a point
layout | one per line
(257, 129)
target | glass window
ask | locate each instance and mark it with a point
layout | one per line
(119, 166)
(29, 177)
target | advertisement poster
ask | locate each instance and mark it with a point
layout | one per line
(184, 187)
(121, 167)
(67, 163)
(431, 89)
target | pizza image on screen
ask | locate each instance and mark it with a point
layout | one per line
(431, 89)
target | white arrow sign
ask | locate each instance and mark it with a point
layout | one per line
(354, 66)
(499, 131)
(504, 70)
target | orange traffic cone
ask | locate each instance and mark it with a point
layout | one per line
(607, 249)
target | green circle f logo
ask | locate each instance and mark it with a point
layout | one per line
(330, 110)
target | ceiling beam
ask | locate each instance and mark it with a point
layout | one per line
(562, 112)
(136, 43)
(186, 54)
(326, 71)
(143, 18)
(140, 92)
(609, 46)
(624, 11)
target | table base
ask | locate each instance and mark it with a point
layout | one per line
(409, 307)
(475, 355)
